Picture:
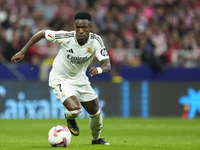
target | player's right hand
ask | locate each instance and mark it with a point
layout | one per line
(93, 71)
(17, 57)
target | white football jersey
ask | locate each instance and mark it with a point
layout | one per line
(73, 60)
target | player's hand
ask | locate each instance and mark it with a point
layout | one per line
(93, 71)
(17, 57)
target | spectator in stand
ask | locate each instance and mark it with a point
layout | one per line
(127, 19)
(158, 38)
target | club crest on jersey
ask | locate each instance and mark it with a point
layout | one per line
(89, 50)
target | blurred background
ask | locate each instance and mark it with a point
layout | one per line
(154, 47)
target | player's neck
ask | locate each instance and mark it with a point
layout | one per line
(82, 42)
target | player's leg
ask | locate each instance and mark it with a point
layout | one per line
(73, 107)
(96, 121)
(66, 93)
(72, 112)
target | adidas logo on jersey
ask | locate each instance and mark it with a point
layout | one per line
(70, 51)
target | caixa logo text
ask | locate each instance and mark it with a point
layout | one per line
(23, 108)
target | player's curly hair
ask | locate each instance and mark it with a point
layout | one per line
(83, 15)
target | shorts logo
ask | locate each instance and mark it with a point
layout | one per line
(50, 35)
(63, 95)
(104, 52)
(89, 50)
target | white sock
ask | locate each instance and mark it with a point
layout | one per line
(96, 124)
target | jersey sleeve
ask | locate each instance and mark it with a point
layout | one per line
(101, 52)
(50, 35)
(55, 36)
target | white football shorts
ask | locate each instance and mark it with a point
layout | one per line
(63, 90)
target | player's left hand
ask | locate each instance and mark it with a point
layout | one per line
(93, 71)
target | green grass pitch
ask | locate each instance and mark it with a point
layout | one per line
(126, 134)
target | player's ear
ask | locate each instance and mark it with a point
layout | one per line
(90, 25)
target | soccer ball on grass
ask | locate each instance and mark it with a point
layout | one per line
(59, 136)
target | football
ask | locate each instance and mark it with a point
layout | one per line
(59, 136)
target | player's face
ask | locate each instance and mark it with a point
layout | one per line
(82, 28)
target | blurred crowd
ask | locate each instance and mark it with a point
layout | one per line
(136, 32)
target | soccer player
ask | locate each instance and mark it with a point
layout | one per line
(68, 77)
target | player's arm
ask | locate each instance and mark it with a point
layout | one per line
(104, 68)
(34, 39)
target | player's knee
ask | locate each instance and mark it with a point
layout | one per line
(73, 114)
(96, 115)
